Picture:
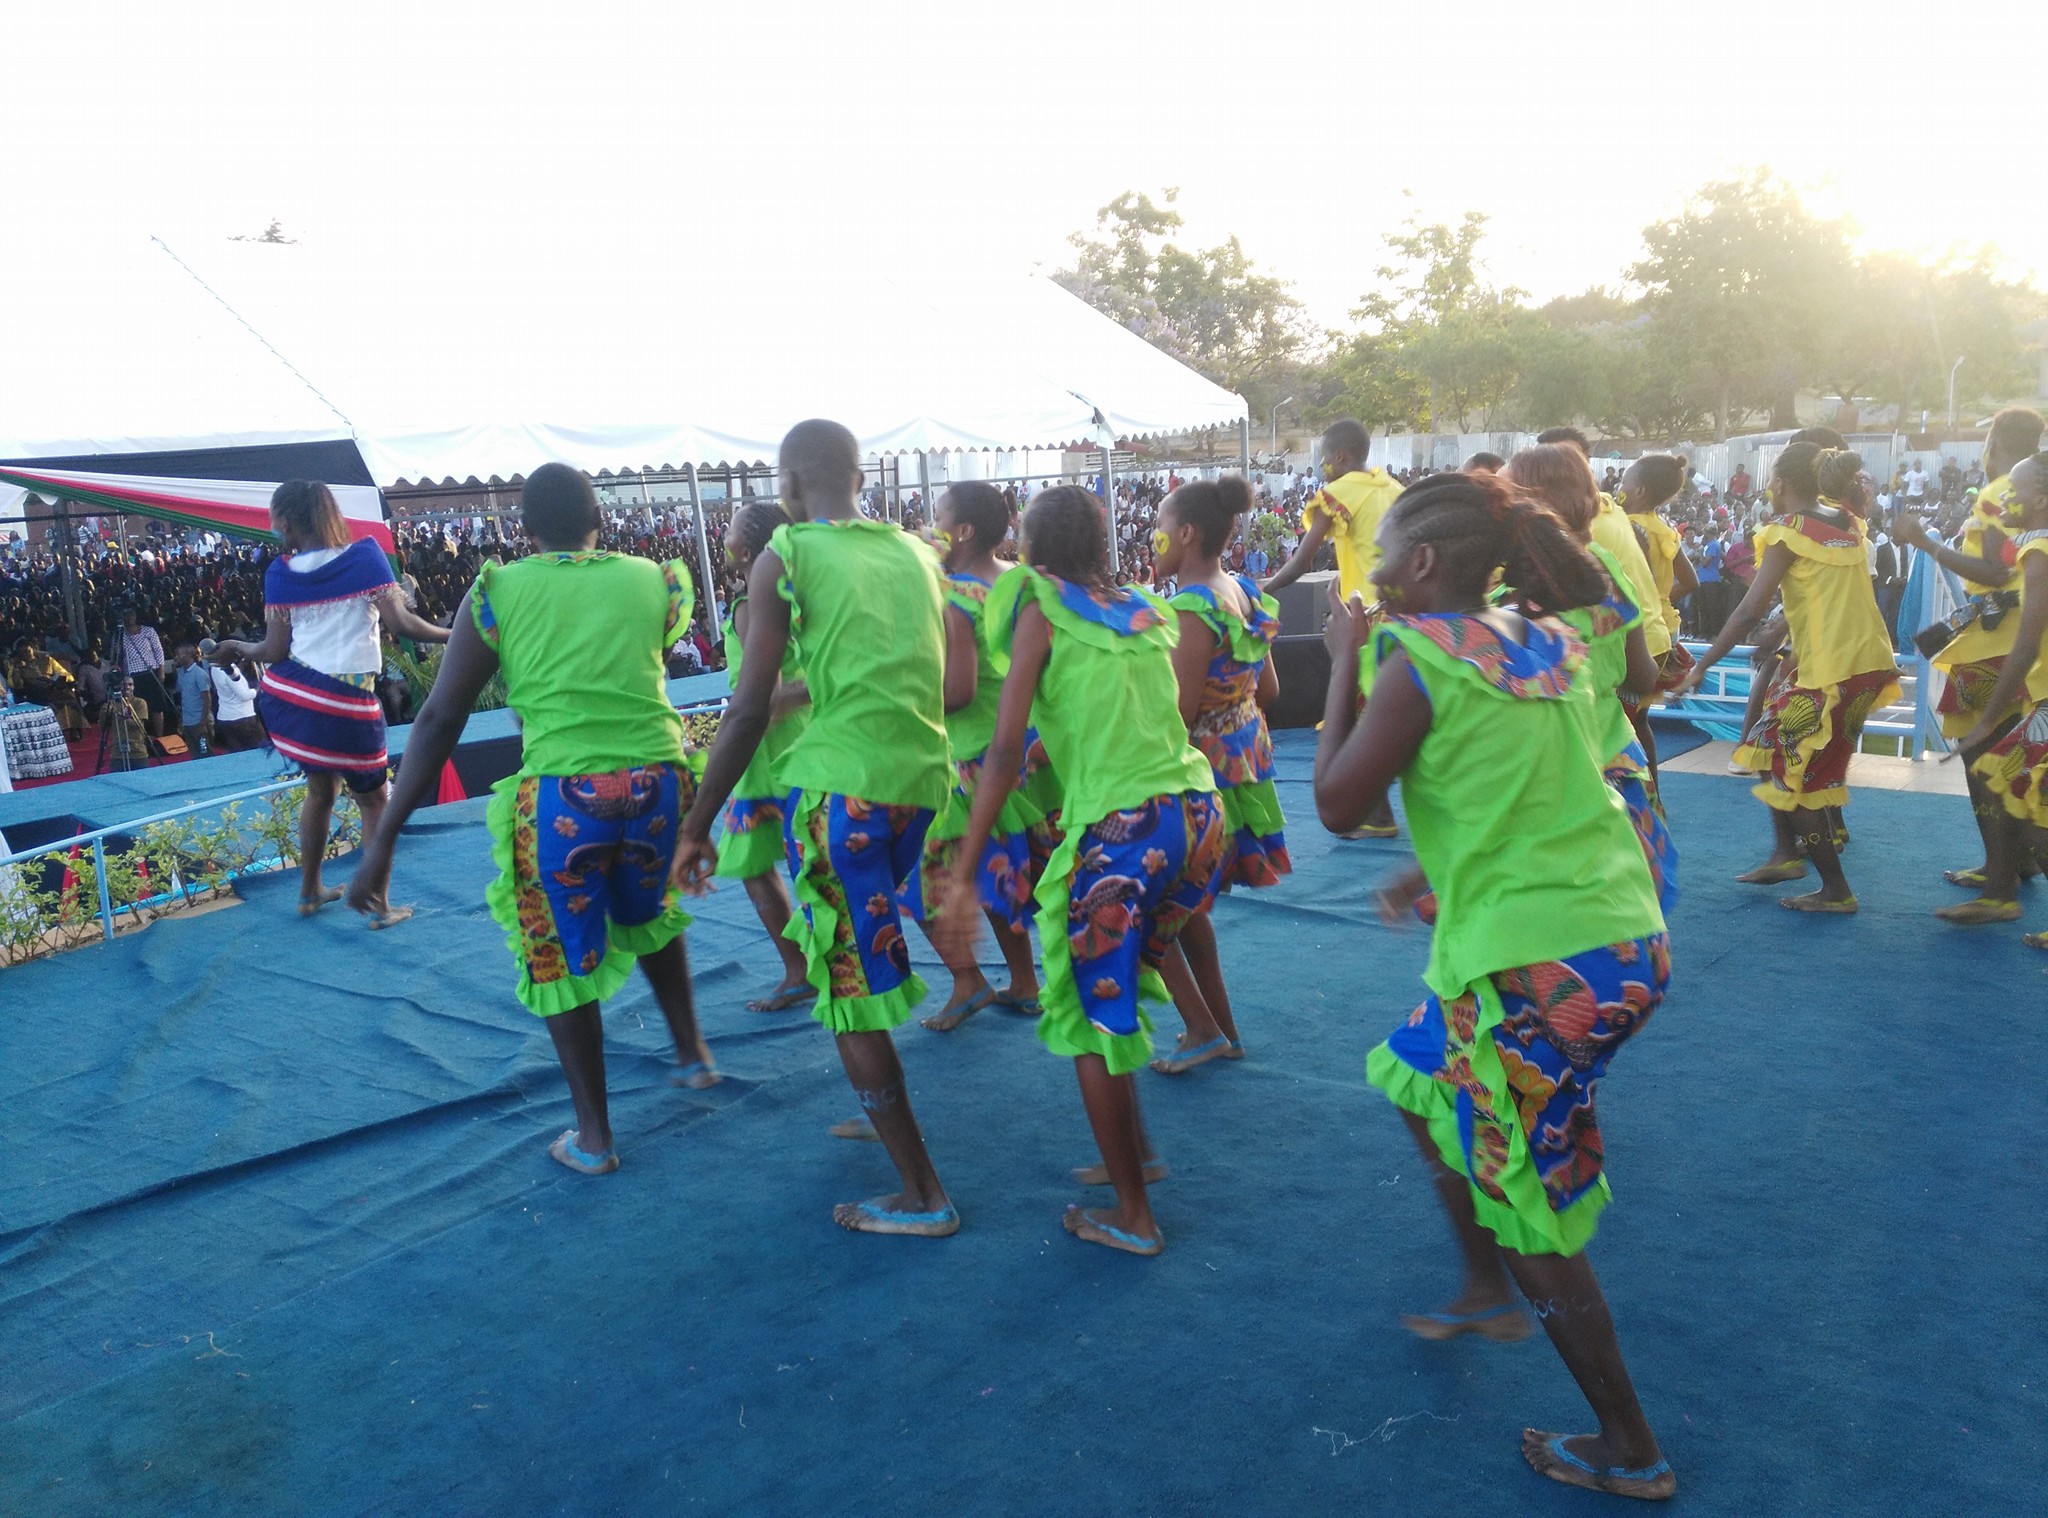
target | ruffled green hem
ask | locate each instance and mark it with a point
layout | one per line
(624, 944)
(1525, 1222)
(1245, 644)
(1020, 813)
(814, 929)
(1255, 805)
(742, 856)
(1064, 1028)
(1010, 590)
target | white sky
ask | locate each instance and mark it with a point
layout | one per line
(438, 137)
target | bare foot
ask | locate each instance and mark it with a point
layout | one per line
(697, 1075)
(308, 905)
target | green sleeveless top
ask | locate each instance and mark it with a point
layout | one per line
(973, 727)
(864, 615)
(1605, 629)
(1531, 853)
(1108, 705)
(763, 777)
(581, 638)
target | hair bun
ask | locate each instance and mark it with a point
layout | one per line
(1236, 491)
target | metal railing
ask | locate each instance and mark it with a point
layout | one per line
(98, 839)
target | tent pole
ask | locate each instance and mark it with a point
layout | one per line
(67, 545)
(1109, 506)
(704, 564)
(1244, 445)
(924, 483)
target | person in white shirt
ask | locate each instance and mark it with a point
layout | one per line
(235, 723)
(322, 603)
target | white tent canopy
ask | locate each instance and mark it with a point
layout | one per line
(607, 359)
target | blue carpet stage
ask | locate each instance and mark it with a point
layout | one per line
(278, 1234)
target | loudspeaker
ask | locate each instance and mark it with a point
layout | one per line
(1303, 665)
(1305, 605)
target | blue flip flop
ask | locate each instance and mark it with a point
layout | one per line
(686, 1076)
(868, 1218)
(1112, 1237)
(564, 1151)
(1452, 1324)
(1214, 1046)
(1020, 1006)
(1650, 1481)
(982, 998)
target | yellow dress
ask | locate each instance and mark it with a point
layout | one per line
(1613, 531)
(2016, 767)
(1661, 554)
(1971, 660)
(1814, 718)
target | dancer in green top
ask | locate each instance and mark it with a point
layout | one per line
(582, 833)
(1090, 662)
(971, 522)
(861, 600)
(750, 835)
(1224, 664)
(1549, 949)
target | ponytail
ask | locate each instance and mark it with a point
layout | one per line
(1546, 565)
(1479, 523)
(1212, 508)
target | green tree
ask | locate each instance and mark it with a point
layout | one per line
(1457, 336)
(1211, 308)
(1736, 280)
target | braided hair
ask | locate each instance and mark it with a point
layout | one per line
(1064, 536)
(1212, 508)
(1478, 523)
(755, 523)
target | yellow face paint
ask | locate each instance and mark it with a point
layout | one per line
(1162, 542)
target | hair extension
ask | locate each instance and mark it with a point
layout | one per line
(307, 510)
(1064, 536)
(1557, 475)
(1212, 508)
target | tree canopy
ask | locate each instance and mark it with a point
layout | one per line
(1742, 302)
